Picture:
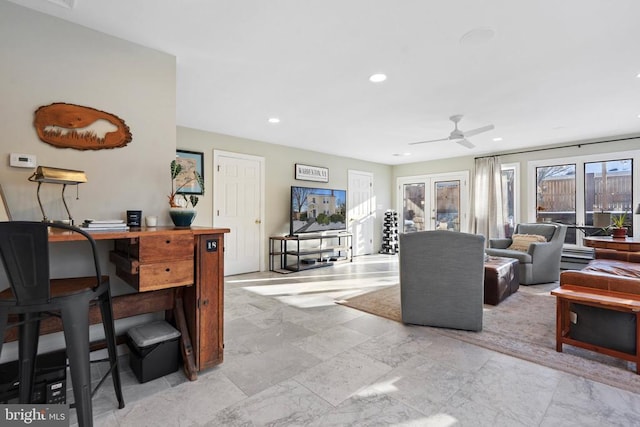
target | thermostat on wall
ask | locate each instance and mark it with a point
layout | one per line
(22, 160)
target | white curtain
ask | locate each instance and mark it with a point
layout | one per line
(487, 216)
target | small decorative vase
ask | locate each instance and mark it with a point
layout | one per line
(618, 233)
(182, 217)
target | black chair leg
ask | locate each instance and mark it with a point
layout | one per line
(110, 337)
(75, 322)
(4, 319)
(29, 335)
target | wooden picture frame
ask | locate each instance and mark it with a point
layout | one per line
(191, 161)
(311, 173)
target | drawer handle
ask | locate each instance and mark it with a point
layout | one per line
(167, 270)
(168, 241)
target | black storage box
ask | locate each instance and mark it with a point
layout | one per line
(605, 328)
(153, 350)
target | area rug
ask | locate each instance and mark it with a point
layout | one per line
(522, 326)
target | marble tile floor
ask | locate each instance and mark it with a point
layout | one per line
(293, 357)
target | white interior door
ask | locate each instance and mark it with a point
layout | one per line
(238, 205)
(361, 211)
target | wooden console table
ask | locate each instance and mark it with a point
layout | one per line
(628, 244)
(610, 300)
(176, 269)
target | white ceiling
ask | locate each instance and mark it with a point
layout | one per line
(553, 71)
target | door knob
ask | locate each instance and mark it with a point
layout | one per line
(258, 221)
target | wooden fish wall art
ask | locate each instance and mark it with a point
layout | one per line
(81, 128)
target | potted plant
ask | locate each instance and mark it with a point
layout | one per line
(618, 228)
(181, 214)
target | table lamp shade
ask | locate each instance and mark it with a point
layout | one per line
(64, 177)
(58, 176)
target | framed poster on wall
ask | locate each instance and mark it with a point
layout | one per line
(191, 161)
(311, 173)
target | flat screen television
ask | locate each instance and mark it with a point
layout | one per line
(317, 210)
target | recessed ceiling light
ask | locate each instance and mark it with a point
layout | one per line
(497, 139)
(401, 154)
(377, 78)
(638, 76)
(274, 120)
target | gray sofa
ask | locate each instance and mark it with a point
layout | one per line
(442, 279)
(540, 263)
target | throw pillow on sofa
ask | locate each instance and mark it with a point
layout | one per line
(521, 242)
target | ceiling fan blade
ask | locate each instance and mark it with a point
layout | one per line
(479, 130)
(465, 143)
(431, 140)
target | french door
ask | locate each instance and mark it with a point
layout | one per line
(434, 202)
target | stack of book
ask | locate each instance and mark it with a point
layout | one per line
(104, 225)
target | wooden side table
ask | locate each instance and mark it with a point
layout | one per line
(627, 244)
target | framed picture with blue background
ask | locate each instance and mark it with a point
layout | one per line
(191, 161)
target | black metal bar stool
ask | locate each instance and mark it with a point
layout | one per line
(33, 295)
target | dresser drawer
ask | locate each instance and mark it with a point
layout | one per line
(165, 247)
(165, 275)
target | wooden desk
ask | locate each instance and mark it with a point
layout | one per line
(610, 300)
(176, 269)
(627, 244)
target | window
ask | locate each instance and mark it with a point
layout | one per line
(413, 203)
(447, 213)
(584, 192)
(556, 196)
(608, 191)
(510, 197)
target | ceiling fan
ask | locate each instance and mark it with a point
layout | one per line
(457, 135)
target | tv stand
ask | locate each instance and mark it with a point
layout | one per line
(303, 252)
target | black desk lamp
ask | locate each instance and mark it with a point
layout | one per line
(45, 174)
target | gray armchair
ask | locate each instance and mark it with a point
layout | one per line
(541, 262)
(442, 279)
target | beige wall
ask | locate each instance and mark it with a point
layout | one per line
(279, 164)
(46, 60)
